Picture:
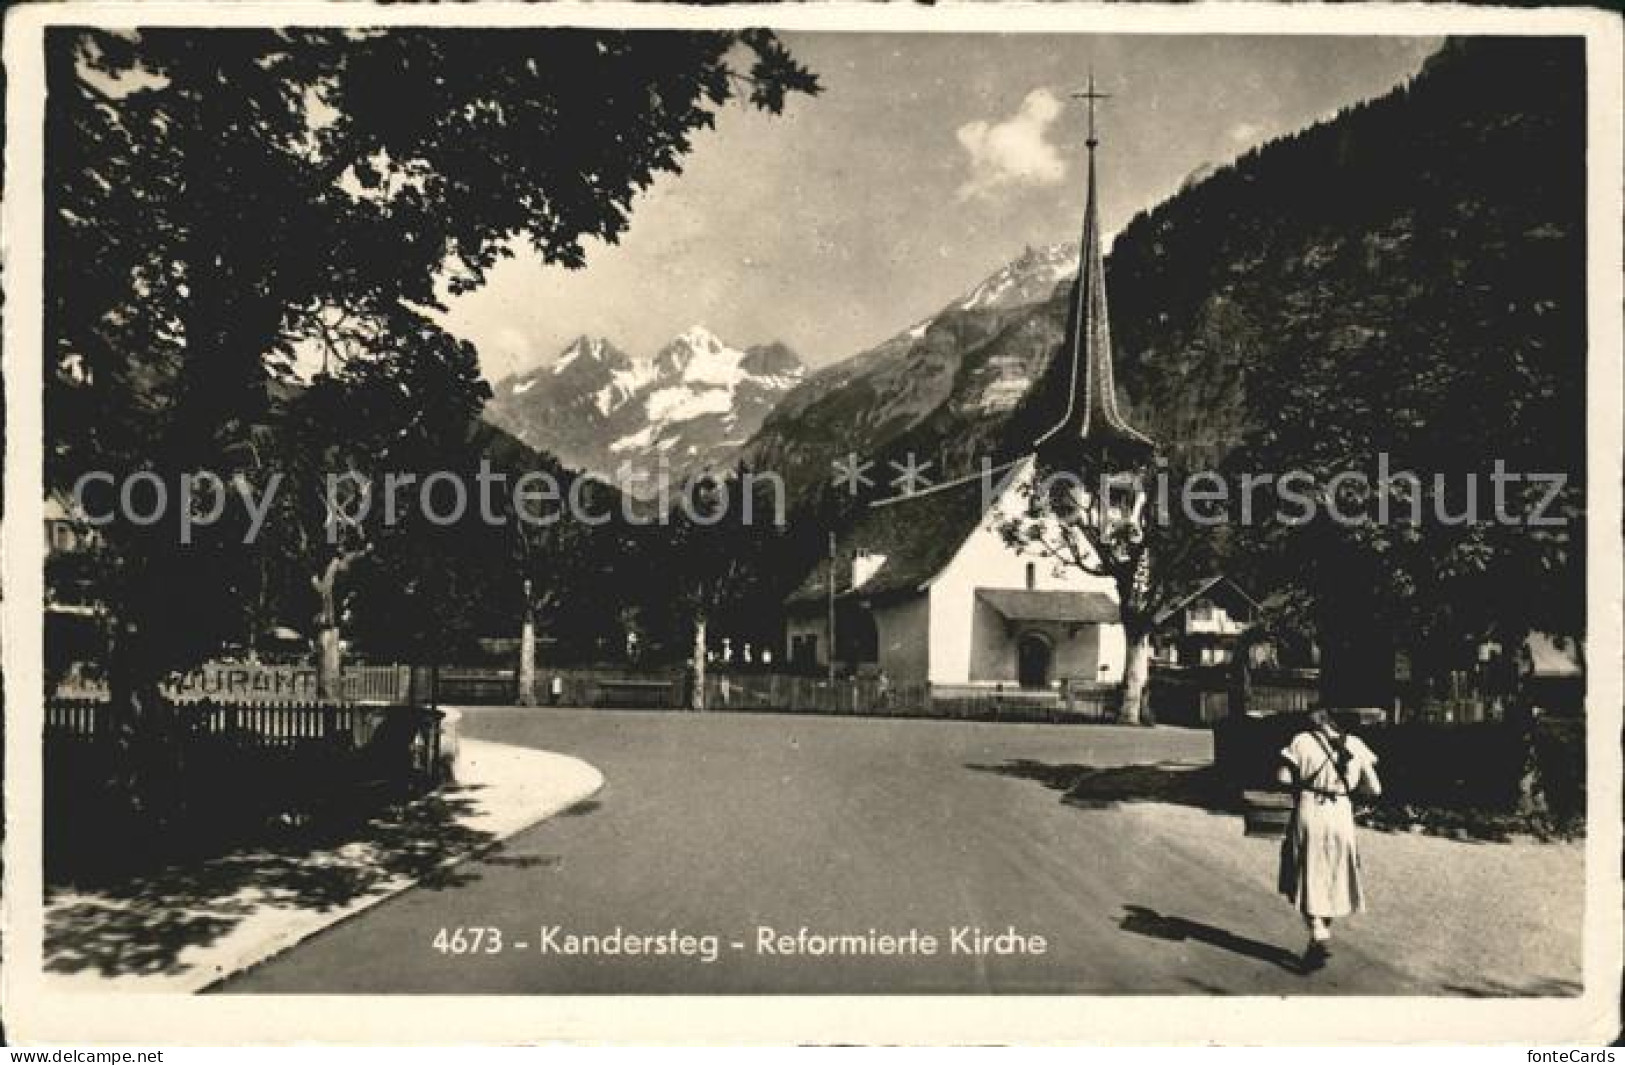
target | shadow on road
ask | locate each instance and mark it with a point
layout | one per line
(1548, 987)
(1148, 922)
(521, 861)
(1101, 787)
(141, 924)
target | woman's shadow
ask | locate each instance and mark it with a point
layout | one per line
(1144, 921)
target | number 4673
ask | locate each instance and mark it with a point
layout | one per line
(471, 940)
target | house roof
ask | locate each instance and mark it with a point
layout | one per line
(1200, 588)
(57, 507)
(1016, 604)
(909, 541)
(1554, 656)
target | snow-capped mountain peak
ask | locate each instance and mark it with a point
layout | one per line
(1030, 278)
(693, 402)
(589, 369)
(699, 356)
(582, 347)
(699, 338)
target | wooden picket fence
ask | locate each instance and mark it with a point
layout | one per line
(285, 725)
(77, 719)
(1198, 696)
(792, 693)
(868, 696)
(232, 711)
(290, 727)
(377, 684)
(1175, 697)
(738, 690)
(1274, 699)
(1195, 696)
(608, 687)
(479, 687)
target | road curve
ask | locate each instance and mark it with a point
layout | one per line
(728, 824)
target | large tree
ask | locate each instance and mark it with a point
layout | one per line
(363, 452)
(718, 541)
(215, 194)
(1101, 516)
(569, 543)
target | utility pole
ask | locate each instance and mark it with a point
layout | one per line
(829, 620)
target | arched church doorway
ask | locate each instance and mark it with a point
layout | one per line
(1033, 660)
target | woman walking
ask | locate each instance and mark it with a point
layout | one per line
(1320, 866)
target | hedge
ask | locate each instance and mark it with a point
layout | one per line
(1430, 764)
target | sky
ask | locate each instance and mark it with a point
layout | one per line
(928, 161)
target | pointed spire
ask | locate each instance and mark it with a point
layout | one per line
(1092, 417)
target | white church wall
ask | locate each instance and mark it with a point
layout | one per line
(1092, 653)
(949, 609)
(986, 561)
(993, 646)
(1077, 652)
(904, 630)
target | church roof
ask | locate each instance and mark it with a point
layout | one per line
(1091, 417)
(1050, 604)
(908, 541)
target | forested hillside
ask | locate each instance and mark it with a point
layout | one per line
(1404, 284)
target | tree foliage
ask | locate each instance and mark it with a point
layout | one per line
(219, 199)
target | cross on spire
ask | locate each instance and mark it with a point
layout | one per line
(1092, 420)
(1091, 95)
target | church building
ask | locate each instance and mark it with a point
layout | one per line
(925, 588)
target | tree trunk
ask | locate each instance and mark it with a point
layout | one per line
(139, 722)
(1518, 718)
(696, 696)
(527, 662)
(329, 665)
(1241, 680)
(329, 658)
(1136, 678)
(329, 654)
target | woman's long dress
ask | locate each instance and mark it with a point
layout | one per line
(1320, 865)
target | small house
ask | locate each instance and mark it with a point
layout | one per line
(1203, 626)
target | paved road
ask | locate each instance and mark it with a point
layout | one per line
(726, 824)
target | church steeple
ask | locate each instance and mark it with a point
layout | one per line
(1092, 419)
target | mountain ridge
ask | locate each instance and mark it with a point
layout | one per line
(684, 409)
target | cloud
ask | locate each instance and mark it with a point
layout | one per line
(1015, 151)
(506, 349)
